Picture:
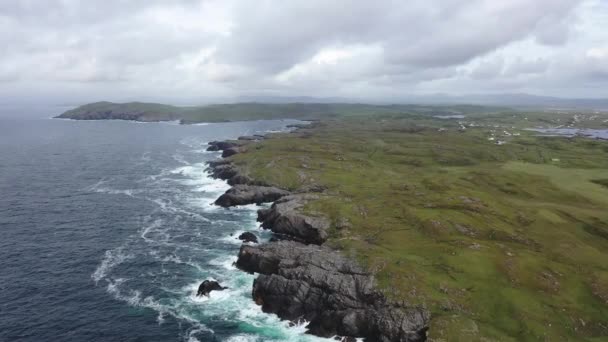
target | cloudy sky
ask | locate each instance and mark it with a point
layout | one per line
(204, 49)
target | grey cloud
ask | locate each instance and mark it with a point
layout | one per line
(534, 66)
(268, 46)
(488, 69)
(424, 33)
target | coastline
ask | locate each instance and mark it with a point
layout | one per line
(299, 278)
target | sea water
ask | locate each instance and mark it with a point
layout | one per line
(108, 227)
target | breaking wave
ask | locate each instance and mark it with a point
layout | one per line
(183, 240)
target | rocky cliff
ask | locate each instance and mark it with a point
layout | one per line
(302, 280)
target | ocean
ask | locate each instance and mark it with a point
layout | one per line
(108, 227)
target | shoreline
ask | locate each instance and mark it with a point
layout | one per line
(299, 278)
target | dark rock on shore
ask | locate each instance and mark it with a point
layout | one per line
(301, 280)
(248, 237)
(229, 152)
(225, 170)
(242, 179)
(333, 293)
(222, 169)
(284, 218)
(250, 194)
(207, 286)
(221, 145)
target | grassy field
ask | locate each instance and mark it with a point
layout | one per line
(501, 242)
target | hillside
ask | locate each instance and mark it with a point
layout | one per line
(500, 241)
(139, 111)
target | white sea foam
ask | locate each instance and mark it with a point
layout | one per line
(111, 259)
(149, 229)
(226, 262)
(169, 238)
(134, 298)
(242, 338)
(180, 159)
(233, 238)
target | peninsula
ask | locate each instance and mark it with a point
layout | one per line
(151, 112)
(415, 227)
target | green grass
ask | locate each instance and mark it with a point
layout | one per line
(499, 242)
(602, 182)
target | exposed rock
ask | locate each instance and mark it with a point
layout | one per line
(284, 218)
(215, 163)
(263, 214)
(221, 145)
(334, 294)
(229, 152)
(225, 170)
(248, 237)
(242, 179)
(250, 194)
(207, 286)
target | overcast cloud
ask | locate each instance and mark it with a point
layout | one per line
(75, 50)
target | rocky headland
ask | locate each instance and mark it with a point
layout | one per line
(299, 278)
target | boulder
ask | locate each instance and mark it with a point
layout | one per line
(285, 218)
(314, 283)
(248, 237)
(250, 194)
(207, 286)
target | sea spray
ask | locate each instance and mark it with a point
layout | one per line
(183, 241)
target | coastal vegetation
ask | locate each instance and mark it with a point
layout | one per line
(501, 233)
(139, 111)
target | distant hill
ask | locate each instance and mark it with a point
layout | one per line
(520, 100)
(149, 112)
(134, 111)
(526, 100)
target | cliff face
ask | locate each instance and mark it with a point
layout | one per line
(300, 279)
(337, 297)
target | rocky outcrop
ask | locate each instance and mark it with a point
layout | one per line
(250, 194)
(301, 280)
(230, 147)
(207, 286)
(284, 217)
(225, 170)
(222, 169)
(248, 237)
(229, 152)
(221, 145)
(317, 284)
